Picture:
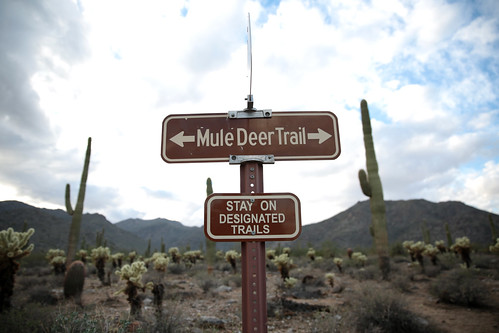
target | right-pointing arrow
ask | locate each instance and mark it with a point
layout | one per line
(180, 138)
(321, 135)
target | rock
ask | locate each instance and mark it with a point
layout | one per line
(222, 288)
(211, 322)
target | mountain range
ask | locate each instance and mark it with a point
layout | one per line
(405, 221)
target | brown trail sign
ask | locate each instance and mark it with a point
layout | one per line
(250, 138)
(310, 135)
(252, 217)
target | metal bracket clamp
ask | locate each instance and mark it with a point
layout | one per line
(248, 114)
(239, 159)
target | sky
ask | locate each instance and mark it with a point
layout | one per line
(113, 70)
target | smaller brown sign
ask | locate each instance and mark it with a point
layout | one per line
(252, 217)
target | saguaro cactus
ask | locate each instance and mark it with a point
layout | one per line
(370, 184)
(74, 231)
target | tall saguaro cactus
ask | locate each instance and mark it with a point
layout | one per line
(74, 231)
(370, 184)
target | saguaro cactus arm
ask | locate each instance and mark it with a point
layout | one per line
(69, 208)
(364, 183)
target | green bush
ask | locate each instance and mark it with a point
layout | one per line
(461, 287)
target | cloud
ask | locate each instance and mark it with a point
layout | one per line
(113, 70)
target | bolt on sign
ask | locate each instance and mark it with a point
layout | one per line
(252, 217)
(310, 135)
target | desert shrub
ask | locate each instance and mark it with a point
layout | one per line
(176, 269)
(169, 321)
(365, 273)
(397, 249)
(486, 261)
(402, 282)
(380, 310)
(433, 271)
(233, 280)
(326, 322)
(448, 261)
(461, 287)
(26, 319)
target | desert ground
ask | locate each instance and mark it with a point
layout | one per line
(446, 297)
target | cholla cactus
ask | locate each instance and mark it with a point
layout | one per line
(132, 274)
(82, 254)
(330, 279)
(416, 250)
(231, 256)
(160, 261)
(290, 282)
(57, 258)
(407, 245)
(131, 256)
(117, 259)
(52, 253)
(440, 245)
(190, 257)
(339, 262)
(349, 253)
(431, 251)
(12, 247)
(286, 250)
(270, 254)
(311, 254)
(220, 254)
(174, 253)
(100, 255)
(284, 264)
(359, 258)
(463, 247)
(494, 248)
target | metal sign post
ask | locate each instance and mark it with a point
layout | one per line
(254, 290)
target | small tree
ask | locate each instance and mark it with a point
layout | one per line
(12, 248)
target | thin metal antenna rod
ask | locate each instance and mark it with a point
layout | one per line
(250, 66)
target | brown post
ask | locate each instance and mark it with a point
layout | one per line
(254, 290)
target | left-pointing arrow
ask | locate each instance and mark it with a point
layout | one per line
(180, 138)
